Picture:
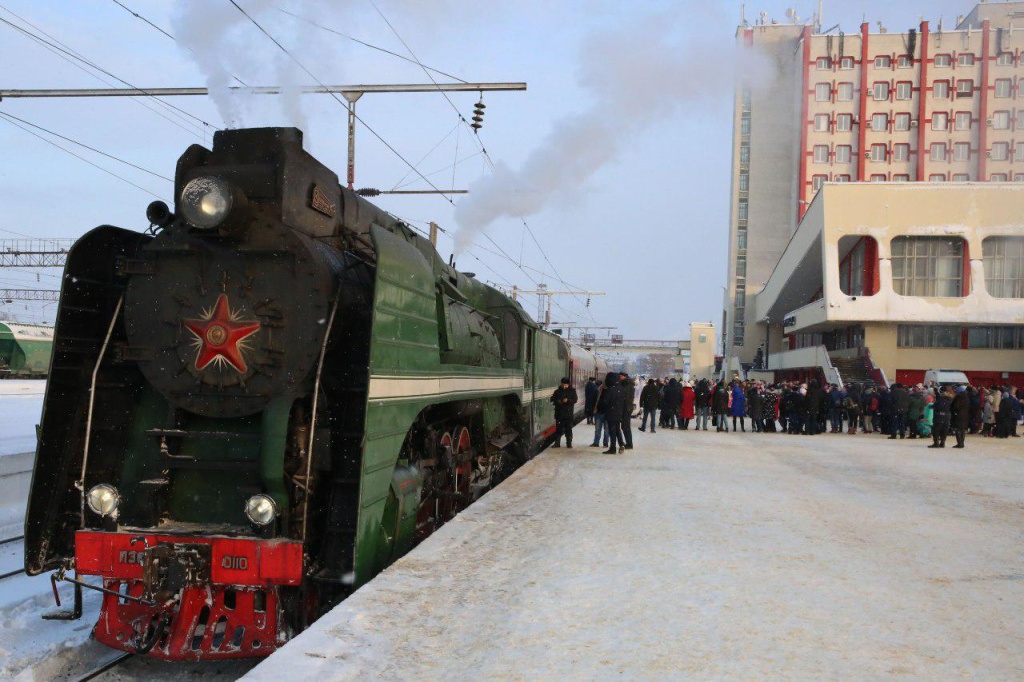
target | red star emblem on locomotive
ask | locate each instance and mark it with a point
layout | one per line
(221, 336)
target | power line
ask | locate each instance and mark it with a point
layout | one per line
(82, 158)
(335, 97)
(93, 65)
(374, 47)
(85, 146)
(139, 16)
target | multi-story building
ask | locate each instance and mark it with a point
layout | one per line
(928, 105)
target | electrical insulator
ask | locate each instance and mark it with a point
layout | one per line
(588, 301)
(368, 192)
(478, 116)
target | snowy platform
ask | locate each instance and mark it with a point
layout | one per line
(21, 404)
(705, 556)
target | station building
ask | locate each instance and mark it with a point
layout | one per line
(929, 106)
(884, 281)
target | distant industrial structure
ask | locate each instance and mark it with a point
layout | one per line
(938, 109)
(692, 358)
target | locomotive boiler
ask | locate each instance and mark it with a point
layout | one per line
(263, 400)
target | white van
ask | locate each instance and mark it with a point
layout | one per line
(945, 377)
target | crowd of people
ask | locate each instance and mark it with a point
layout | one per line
(809, 408)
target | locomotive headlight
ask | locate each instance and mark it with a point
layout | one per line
(103, 499)
(206, 202)
(261, 509)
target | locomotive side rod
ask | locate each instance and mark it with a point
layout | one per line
(264, 90)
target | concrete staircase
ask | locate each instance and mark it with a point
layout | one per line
(853, 370)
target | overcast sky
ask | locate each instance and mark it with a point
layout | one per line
(616, 157)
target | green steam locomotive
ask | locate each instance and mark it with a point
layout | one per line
(265, 399)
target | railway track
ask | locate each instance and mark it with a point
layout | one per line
(104, 667)
(10, 573)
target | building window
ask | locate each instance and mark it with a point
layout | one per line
(1020, 151)
(904, 90)
(901, 152)
(928, 266)
(823, 63)
(1018, 177)
(962, 151)
(997, 177)
(1003, 260)
(965, 59)
(937, 177)
(996, 338)
(844, 92)
(844, 122)
(821, 153)
(940, 90)
(841, 178)
(1005, 59)
(741, 240)
(745, 126)
(928, 336)
(878, 177)
(1020, 117)
(878, 152)
(744, 153)
(817, 181)
(901, 122)
(904, 61)
(964, 88)
(744, 182)
(846, 63)
(843, 153)
(821, 123)
(901, 178)
(879, 121)
(962, 121)
(1000, 151)
(852, 251)
(883, 62)
(940, 120)
(741, 266)
(937, 151)
(822, 92)
(943, 61)
(881, 91)
(961, 177)
(743, 210)
(1001, 120)
(1004, 87)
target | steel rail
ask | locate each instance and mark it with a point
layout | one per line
(104, 667)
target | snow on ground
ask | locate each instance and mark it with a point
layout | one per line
(21, 404)
(705, 556)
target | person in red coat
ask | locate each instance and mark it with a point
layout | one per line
(686, 411)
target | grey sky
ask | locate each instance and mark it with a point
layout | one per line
(618, 154)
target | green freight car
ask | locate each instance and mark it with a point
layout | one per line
(24, 350)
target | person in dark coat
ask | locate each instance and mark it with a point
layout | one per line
(960, 415)
(720, 402)
(614, 412)
(755, 407)
(900, 400)
(1006, 417)
(940, 417)
(590, 399)
(814, 401)
(672, 402)
(702, 400)
(650, 401)
(629, 388)
(564, 399)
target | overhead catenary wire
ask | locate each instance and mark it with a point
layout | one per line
(336, 99)
(85, 146)
(71, 53)
(142, 18)
(181, 121)
(82, 158)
